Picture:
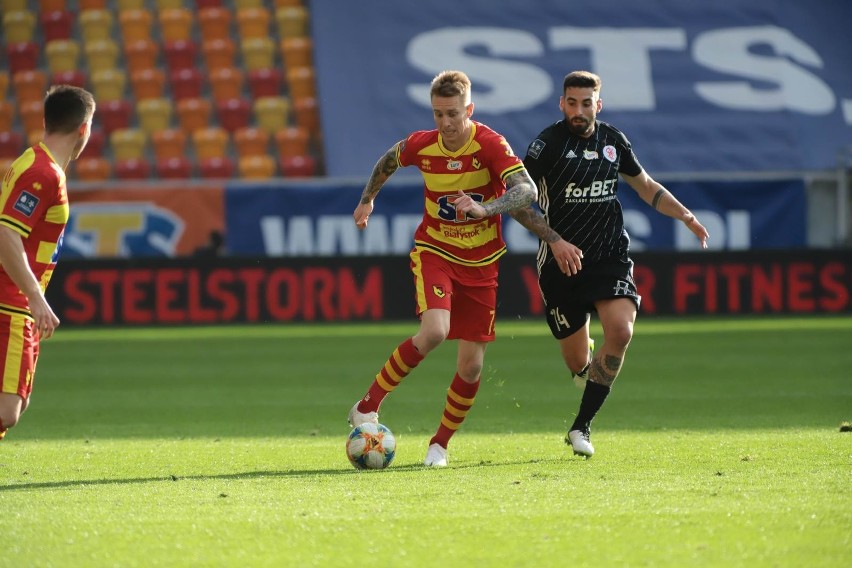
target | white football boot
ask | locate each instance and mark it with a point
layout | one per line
(579, 441)
(436, 456)
(357, 418)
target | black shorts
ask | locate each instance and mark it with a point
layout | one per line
(570, 300)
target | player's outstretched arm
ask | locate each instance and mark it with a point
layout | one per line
(383, 170)
(520, 192)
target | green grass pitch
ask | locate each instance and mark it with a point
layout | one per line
(224, 446)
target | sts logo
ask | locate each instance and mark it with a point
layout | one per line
(447, 210)
(126, 229)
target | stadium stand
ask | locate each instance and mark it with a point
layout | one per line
(205, 84)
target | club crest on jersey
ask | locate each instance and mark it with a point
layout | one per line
(536, 147)
(439, 291)
(475, 163)
(610, 153)
(26, 203)
(590, 155)
(454, 165)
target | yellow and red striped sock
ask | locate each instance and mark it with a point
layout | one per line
(401, 362)
(459, 401)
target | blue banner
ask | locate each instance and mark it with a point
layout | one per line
(315, 219)
(713, 86)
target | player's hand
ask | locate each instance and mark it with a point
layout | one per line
(46, 321)
(568, 257)
(362, 214)
(466, 205)
(691, 222)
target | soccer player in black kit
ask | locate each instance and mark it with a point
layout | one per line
(583, 257)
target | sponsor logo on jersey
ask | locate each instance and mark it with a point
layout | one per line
(26, 203)
(570, 155)
(536, 147)
(590, 154)
(454, 165)
(610, 153)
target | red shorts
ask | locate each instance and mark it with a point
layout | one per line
(468, 292)
(18, 353)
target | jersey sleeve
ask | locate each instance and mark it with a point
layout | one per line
(502, 161)
(629, 163)
(406, 150)
(28, 200)
(536, 157)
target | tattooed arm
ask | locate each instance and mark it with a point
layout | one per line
(383, 169)
(520, 192)
(567, 256)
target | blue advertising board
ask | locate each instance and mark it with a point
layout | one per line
(696, 86)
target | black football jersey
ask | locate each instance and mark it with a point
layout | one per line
(577, 180)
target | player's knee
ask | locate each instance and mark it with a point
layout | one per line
(470, 371)
(619, 337)
(9, 418)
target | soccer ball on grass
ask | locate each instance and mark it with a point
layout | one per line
(370, 446)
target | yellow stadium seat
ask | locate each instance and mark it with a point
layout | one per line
(218, 53)
(292, 21)
(297, 52)
(226, 83)
(176, 24)
(272, 113)
(92, 169)
(251, 141)
(300, 80)
(95, 25)
(214, 22)
(169, 143)
(253, 22)
(256, 167)
(62, 55)
(135, 24)
(210, 143)
(29, 85)
(258, 53)
(128, 144)
(154, 114)
(148, 83)
(101, 54)
(109, 84)
(194, 114)
(18, 26)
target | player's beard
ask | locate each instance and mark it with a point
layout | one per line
(580, 126)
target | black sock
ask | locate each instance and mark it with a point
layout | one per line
(593, 398)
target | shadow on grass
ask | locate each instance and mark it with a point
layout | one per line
(259, 474)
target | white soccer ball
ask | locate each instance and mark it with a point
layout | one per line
(370, 446)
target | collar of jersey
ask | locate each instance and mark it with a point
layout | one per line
(461, 150)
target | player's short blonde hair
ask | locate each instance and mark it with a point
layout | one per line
(451, 84)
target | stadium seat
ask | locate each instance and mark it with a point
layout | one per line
(193, 114)
(241, 4)
(154, 114)
(292, 141)
(7, 115)
(300, 81)
(201, 4)
(35, 136)
(109, 84)
(253, 23)
(57, 24)
(175, 24)
(264, 83)
(256, 167)
(22, 56)
(11, 144)
(215, 23)
(128, 143)
(233, 113)
(18, 26)
(287, 3)
(141, 54)
(62, 55)
(218, 53)
(258, 53)
(95, 147)
(95, 24)
(220, 167)
(226, 83)
(272, 113)
(132, 169)
(32, 115)
(101, 54)
(297, 51)
(77, 78)
(210, 143)
(92, 169)
(114, 115)
(186, 83)
(124, 5)
(135, 24)
(86, 5)
(148, 83)
(298, 166)
(169, 143)
(292, 21)
(251, 141)
(168, 4)
(307, 115)
(29, 85)
(180, 54)
(44, 6)
(177, 167)
(4, 84)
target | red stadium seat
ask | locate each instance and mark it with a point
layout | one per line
(264, 83)
(233, 113)
(174, 168)
(11, 144)
(201, 4)
(132, 169)
(114, 115)
(298, 166)
(180, 54)
(186, 83)
(76, 78)
(216, 168)
(22, 56)
(57, 24)
(95, 147)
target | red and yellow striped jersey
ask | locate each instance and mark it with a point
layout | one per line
(479, 169)
(33, 203)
